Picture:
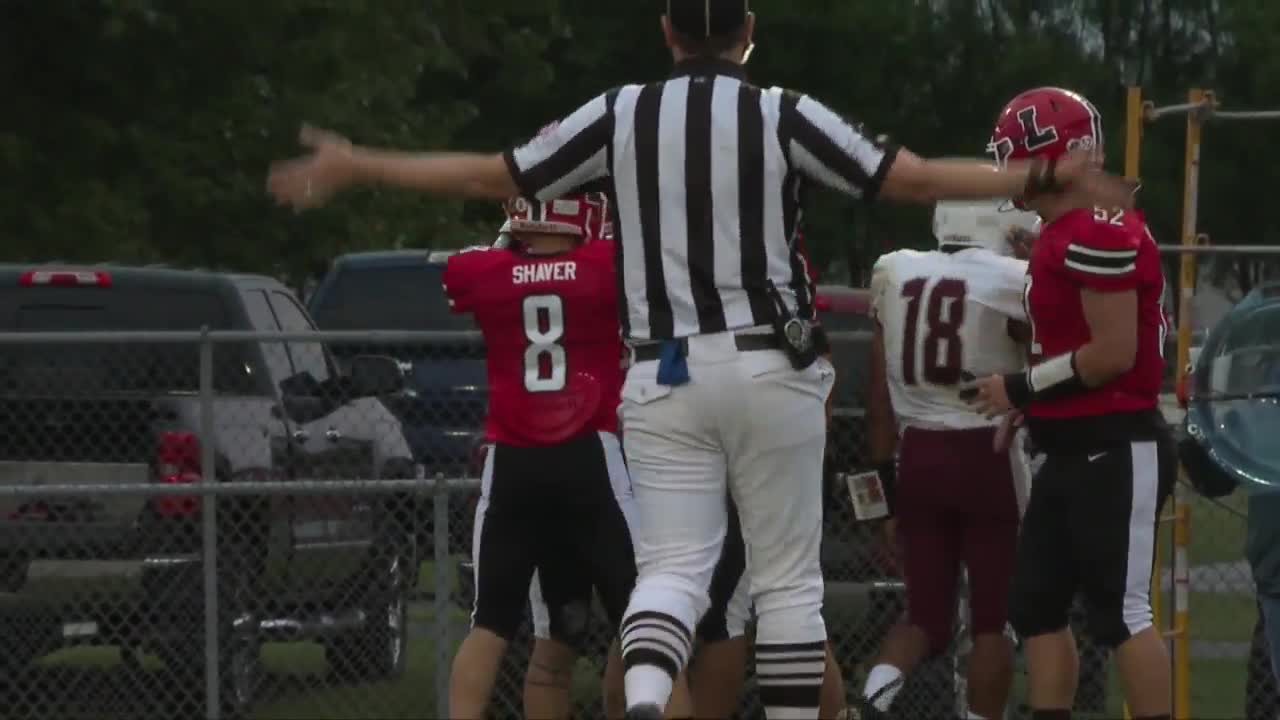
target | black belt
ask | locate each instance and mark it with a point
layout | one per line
(745, 342)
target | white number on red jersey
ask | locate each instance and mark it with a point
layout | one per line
(1113, 217)
(544, 329)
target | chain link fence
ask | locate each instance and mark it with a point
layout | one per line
(193, 526)
(1221, 663)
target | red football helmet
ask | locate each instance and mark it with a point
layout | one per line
(582, 216)
(1046, 122)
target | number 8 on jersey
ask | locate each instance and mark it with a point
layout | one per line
(544, 360)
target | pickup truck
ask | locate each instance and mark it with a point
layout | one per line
(126, 570)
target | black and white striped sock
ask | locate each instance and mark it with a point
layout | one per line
(655, 648)
(790, 679)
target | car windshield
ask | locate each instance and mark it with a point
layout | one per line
(1244, 355)
(1237, 392)
(388, 298)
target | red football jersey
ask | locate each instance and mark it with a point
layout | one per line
(550, 325)
(1108, 252)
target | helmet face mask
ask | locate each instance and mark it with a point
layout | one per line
(583, 217)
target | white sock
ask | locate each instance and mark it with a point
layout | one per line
(880, 677)
(646, 684)
(971, 715)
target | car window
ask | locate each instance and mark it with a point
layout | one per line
(117, 367)
(845, 321)
(260, 314)
(307, 356)
(388, 298)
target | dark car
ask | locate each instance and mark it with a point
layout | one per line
(127, 570)
(444, 407)
(443, 404)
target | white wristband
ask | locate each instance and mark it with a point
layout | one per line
(1054, 371)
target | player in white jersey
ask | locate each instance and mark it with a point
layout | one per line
(944, 317)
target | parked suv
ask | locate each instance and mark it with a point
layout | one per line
(127, 570)
(445, 399)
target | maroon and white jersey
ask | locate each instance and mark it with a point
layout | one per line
(945, 314)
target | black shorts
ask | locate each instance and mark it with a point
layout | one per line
(1090, 526)
(730, 608)
(558, 511)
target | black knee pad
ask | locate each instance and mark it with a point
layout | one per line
(1107, 628)
(1029, 621)
(500, 615)
(570, 624)
(939, 637)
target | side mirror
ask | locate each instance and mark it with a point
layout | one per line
(302, 385)
(374, 375)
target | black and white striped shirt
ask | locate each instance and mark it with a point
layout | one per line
(706, 172)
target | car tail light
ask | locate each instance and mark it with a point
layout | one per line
(177, 463)
(823, 304)
(65, 278)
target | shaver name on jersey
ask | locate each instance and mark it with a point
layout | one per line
(544, 272)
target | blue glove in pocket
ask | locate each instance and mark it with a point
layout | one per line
(673, 370)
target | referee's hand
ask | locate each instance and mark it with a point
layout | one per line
(309, 181)
(1081, 171)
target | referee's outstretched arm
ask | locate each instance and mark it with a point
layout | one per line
(831, 151)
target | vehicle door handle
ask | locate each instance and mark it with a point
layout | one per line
(332, 435)
(301, 436)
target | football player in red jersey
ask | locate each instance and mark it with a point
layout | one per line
(555, 491)
(1090, 401)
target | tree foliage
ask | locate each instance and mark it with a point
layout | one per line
(141, 130)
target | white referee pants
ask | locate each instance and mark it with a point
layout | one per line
(753, 419)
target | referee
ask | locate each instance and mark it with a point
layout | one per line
(705, 171)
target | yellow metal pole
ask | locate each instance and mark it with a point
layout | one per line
(1133, 133)
(1134, 119)
(1190, 200)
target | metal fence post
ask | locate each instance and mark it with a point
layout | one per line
(209, 531)
(443, 592)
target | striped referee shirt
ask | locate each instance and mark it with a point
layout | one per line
(706, 173)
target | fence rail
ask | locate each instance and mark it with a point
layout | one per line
(152, 524)
(243, 488)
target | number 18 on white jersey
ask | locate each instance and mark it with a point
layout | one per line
(946, 317)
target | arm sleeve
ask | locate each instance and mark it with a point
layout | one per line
(575, 153)
(830, 150)
(1102, 257)
(879, 285)
(456, 282)
(1008, 282)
